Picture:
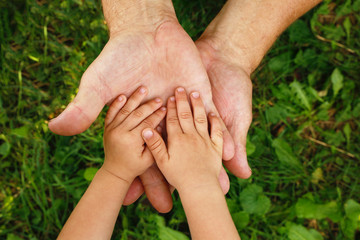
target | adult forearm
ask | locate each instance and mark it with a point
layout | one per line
(134, 14)
(95, 215)
(207, 213)
(246, 29)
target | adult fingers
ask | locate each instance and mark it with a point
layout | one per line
(157, 189)
(114, 108)
(172, 120)
(133, 102)
(184, 111)
(79, 114)
(238, 165)
(136, 189)
(141, 113)
(200, 118)
(224, 181)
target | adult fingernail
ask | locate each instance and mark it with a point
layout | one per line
(195, 94)
(159, 129)
(120, 98)
(180, 89)
(148, 134)
(142, 90)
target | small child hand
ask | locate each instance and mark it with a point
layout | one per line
(126, 155)
(193, 157)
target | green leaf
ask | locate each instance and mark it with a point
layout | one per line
(12, 236)
(337, 80)
(241, 219)
(347, 132)
(352, 210)
(4, 147)
(285, 154)
(347, 26)
(89, 173)
(299, 32)
(280, 63)
(317, 175)
(351, 222)
(297, 89)
(250, 147)
(21, 131)
(306, 208)
(165, 233)
(254, 201)
(298, 232)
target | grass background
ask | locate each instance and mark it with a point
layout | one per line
(303, 145)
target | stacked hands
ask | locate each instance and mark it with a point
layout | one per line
(190, 160)
(148, 46)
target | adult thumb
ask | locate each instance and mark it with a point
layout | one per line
(79, 114)
(156, 145)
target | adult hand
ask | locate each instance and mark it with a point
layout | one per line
(232, 95)
(160, 59)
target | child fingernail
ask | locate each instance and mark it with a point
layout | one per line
(120, 98)
(159, 129)
(142, 90)
(212, 114)
(195, 94)
(180, 89)
(172, 99)
(163, 109)
(157, 100)
(148, 134)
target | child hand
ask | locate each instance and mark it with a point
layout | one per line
(193, 157)
(126, 155)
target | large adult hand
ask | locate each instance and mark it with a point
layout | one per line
(232, 95)
(162, 60)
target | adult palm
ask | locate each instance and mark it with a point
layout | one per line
(161, 60)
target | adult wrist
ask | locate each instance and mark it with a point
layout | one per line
(141, 15)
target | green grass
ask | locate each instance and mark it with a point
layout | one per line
(303, 145)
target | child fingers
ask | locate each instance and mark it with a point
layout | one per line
(142, 113)
(200, 118)
(184, 111)
(132, 103)
(115, 107)
(152, 121)
(216, 133)
(172, 120)
(156, 145)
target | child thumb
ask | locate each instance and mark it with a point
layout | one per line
(156, 145)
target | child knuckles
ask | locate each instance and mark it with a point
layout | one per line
(201, 119)
(125, 111)
(173, 120)
(185, 115)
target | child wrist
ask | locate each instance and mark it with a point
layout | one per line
(204, 187)
(121, 177)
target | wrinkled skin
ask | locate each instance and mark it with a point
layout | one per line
(232, 95)
(163, 61)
